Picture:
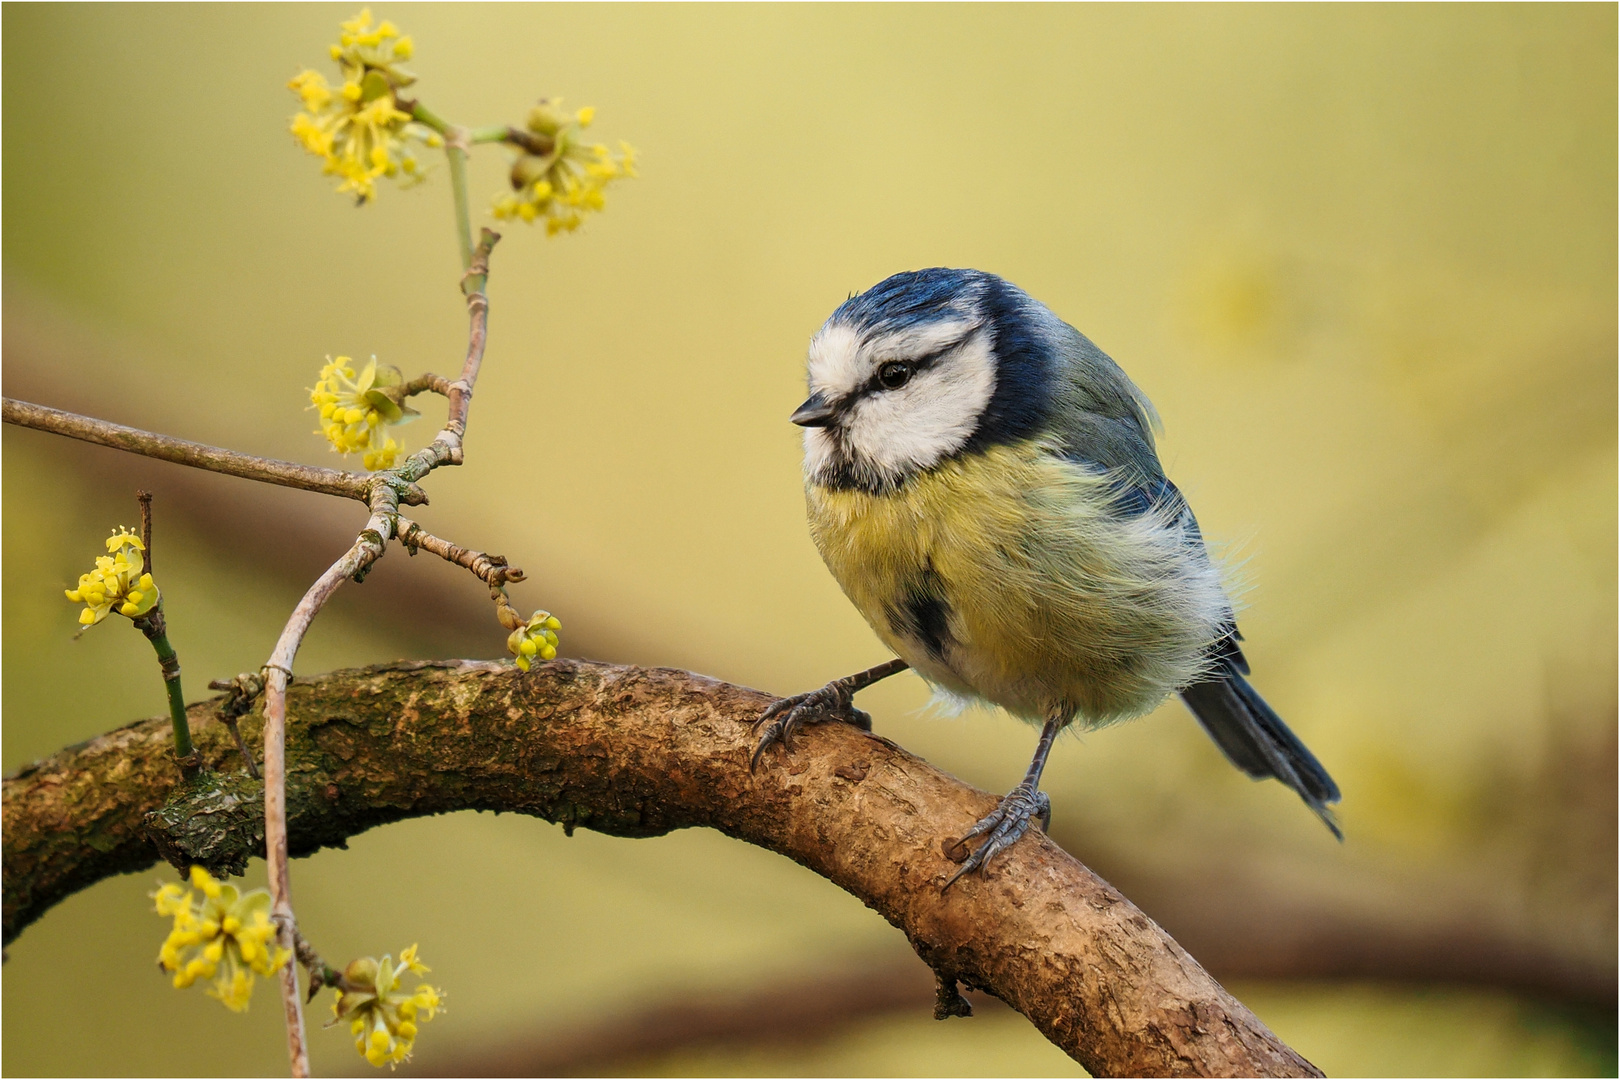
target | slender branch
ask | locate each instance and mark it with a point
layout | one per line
(153, 625)
(446, 447)
(457, 141)
(145, 499)
(424, 115)
(492, 133)
(473, 284)
(492, 570)
(640, 752)
(427, 383)
(241, 693)
(528, 141)
(354, 562)
(197, 455)
(320, 972)
(455, 151)
(384, 500)
(169, 662)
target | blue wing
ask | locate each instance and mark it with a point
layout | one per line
(1248, 731)
(1134, 498)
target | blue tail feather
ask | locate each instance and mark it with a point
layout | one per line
(1255, 739)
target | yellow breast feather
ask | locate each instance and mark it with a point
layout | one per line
(1010, 576)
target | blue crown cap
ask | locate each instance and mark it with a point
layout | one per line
(915, 298)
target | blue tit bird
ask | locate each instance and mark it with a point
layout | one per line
(982, 481)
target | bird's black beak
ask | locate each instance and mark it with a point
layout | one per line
(816, 412)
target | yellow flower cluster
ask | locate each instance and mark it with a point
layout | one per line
(382, 1016)
(536, 638)
(118, 583)
(560, 178)
(358, 128)
(356, 408)
(219, 934)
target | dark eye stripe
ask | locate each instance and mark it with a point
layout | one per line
(920, 363)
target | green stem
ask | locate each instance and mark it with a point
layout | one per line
(458, 189)
(456, 139)
(497, 133)
(170, 663)
(424, 115)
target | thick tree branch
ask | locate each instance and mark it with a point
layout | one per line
(638, 752)
(198, 455)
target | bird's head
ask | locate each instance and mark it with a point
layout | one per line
(924, 366)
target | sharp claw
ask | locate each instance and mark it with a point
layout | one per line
(765, 741)
(966, 867)
(1005, 825)
(787, 715)
(785, 735)
(970, 864)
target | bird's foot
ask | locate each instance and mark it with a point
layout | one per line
(1002, 827)
(835, 701)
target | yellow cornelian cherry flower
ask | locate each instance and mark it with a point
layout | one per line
(219, 934)
(535, 639)
(356, 408)
(118, 583)
(560, 178)
(381, 48)
(382, 1016)
(357, 128)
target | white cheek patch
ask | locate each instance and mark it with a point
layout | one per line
(897, 432)
(835, 364)
(820, 450)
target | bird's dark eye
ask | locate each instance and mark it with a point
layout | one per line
(894, 374)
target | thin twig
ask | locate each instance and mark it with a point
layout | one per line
(145, 499)
(528, 141)
(493, 134)
(320, 972)
(241, 745)
(455, 152)
(492, 570)
(472, 284)
(153, 625)
(156, 629)
(197, 455)
(426, 383)
(241, 693)
(278, 671)
(372, 542)
(457, 142)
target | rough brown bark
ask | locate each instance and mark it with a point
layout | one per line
(639, 752)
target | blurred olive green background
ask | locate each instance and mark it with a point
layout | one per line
(1361, 257)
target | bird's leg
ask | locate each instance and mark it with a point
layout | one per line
(1011, 817)
(835, 701)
